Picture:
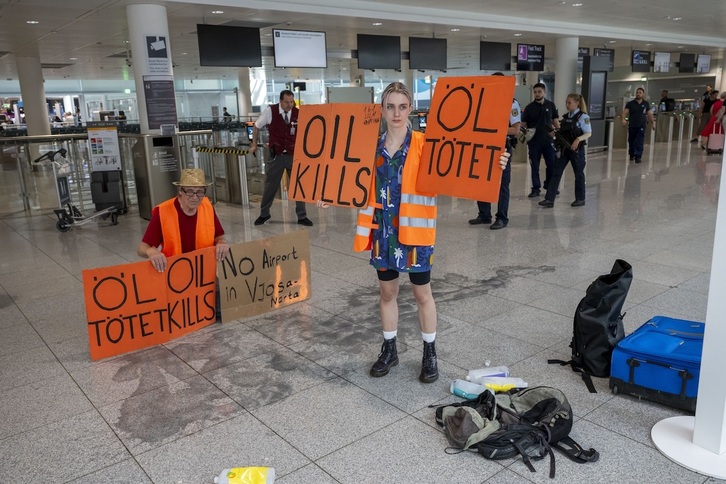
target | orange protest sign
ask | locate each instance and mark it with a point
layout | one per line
(132, 306)
(334, 153)
(465, 135)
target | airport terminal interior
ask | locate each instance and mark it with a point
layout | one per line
(290, 389)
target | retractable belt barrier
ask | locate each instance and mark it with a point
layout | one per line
(226, 151)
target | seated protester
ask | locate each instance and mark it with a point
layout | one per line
(183, 224)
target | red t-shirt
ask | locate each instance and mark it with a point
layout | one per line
(187, 227)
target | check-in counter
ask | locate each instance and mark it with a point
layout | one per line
(692, 119)
(672, 126)
(666, 126)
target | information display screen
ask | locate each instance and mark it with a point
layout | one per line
(495, 56)
(379, 52)
(427, 53)
(703, 66)
(299, 48)
(228, 46)
(610, 54)
(662, 62)
(687, 63)
(581, 52)
(598, 89)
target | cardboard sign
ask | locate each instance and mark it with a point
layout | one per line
(465, 135)
(334, 153)
(132, 306)
(264, 275)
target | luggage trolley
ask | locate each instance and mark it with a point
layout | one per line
(68, 214)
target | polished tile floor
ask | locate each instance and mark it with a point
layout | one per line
(291, 389)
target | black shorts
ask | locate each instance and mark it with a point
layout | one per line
(416, 278)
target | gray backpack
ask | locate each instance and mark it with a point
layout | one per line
(526, 423)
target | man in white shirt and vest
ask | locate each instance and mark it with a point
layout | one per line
(281, 120)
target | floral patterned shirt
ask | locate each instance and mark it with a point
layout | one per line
(388, 253)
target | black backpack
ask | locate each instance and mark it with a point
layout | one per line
(527, 423)
(598, 324)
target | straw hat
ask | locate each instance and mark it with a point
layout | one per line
(192, 177)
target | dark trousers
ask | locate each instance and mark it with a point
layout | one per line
(485, 208)
(636, 137)
(538, 149)
(275, 169)
(577, 159)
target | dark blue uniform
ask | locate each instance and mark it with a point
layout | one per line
(485, 208)
(572, 125)
(637, 120)
(539, 116)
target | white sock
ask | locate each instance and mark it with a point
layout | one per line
(390, 334)
(428, 337)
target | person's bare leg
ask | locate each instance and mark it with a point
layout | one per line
(427, 321)
(389, 322)
(426, 308)
(389, 305)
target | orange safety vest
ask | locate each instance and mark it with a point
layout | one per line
(172, 244)
(417, 213)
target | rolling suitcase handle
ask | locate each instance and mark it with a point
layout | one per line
(684, 374)
(675, 332)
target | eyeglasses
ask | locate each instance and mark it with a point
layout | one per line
(194, 193)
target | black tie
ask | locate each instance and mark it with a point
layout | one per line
(287, 120)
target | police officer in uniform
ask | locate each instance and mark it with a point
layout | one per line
(635, 115)
(485, 208)
(570, 141)
(541, 114)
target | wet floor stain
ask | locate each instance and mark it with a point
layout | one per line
(450, 287)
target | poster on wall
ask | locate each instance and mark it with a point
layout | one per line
(160, 100)
(103, 146)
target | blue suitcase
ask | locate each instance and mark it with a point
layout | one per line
(660, 361)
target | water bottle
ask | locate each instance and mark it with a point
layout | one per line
(475, 375)
(466, 389)
(246, 475)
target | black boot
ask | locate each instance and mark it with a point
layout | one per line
(387, 358)
(429, 368)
